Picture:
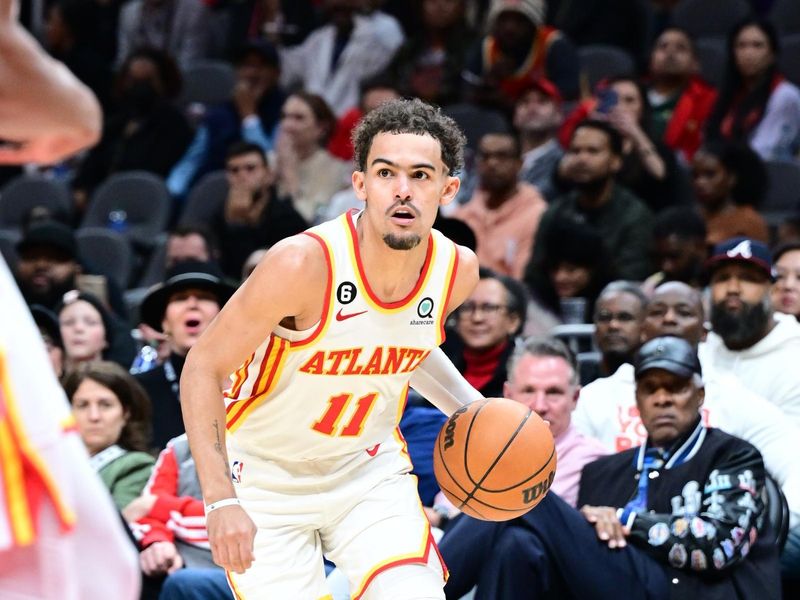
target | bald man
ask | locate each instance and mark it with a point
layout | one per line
(607, 408)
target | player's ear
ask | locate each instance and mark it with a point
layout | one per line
(451, 187)
(359, 185)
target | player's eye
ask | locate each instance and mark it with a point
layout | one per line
(420, 175)
(384, 173)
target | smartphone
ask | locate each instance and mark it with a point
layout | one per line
(97, 285)
(606, 100)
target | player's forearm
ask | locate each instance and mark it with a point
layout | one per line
(438, 381)
(204, 418)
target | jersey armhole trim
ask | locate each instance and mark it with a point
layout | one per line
(452, 273)
(327, 305)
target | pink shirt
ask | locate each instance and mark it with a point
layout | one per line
(504, 234)
(573, 451)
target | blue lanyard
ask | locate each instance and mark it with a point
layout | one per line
(653, 459)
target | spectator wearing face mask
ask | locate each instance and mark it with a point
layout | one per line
(145, 131)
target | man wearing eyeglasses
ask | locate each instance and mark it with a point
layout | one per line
(253, 216)
(503, 212)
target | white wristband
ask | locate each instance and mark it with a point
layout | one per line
(222, 504)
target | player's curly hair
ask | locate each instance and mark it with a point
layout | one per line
(411, 116)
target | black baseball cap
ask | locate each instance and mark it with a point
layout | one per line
(669, 353)
(50, 234)
(184, 275)
(742, 249)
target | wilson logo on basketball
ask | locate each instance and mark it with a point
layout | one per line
(494, 459)
(450, 431)
(540, 489)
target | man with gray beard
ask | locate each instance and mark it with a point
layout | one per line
(748, 338)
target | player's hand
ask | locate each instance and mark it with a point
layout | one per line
(606, 524)
(231, 533)
(160, 558)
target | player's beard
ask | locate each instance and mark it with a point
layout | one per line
(405, 242)
(742, 330)
(402, 242)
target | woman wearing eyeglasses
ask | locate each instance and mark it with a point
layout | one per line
(485, 328)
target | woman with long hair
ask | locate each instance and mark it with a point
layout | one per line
(112, 414)
(729, 181)
(756, 103)
(306, 171)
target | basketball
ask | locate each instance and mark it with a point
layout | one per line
(494, 459)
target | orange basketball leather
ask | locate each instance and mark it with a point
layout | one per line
(495, 459)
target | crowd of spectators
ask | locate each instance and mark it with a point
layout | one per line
(622, 209)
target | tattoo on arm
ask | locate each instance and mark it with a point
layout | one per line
(218, 443)
(218, 447)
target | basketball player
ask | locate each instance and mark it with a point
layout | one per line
(60, 536)
(352, 312)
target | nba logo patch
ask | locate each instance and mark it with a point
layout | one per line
(236, 471)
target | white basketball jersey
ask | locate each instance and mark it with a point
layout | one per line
(340, 386)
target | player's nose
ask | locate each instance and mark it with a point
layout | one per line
(402, 187)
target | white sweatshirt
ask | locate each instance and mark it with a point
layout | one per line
(770, 368)
(607, 411)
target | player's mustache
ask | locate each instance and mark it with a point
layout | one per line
(403, 204)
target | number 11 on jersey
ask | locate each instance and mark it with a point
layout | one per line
(337, 405)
